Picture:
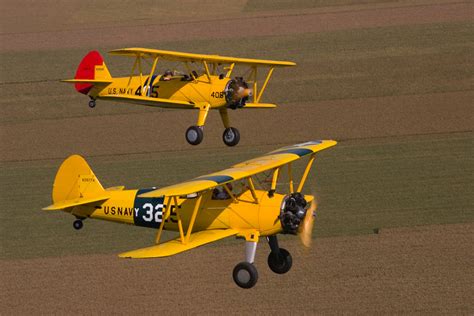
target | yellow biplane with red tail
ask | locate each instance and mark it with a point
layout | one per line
(206, 83)
(232, 202)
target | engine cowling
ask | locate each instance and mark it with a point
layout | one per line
(237, 92)
(293, 211)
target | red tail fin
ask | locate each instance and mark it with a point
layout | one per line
(86, 70)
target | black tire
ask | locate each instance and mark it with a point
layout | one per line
(77, 224)
(194, 135)
(92, 104)
(245, 275)
(231, 136)
(280, 263)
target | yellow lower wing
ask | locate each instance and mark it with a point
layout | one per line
(175, 246)
(259, 106)
(143, 100)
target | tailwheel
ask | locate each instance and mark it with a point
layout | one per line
(92, 103)
(231, 136)
(78, 224)
(194, 135)
(245, 275)
(280, 262)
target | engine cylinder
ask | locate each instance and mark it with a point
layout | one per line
(292, 212)
(236, 93)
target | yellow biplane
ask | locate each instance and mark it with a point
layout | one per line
(232, 202)
(207, 84)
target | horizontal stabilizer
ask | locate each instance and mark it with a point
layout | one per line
(175, 246)
(75, 202)
(92, 81)
(259, 106)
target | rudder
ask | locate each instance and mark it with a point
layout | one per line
(91, 67)
(75, 179)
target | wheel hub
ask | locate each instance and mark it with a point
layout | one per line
(229, 136)
(243, 276)
(192, 135)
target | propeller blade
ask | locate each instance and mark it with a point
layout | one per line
(306, 228)
(243, 92)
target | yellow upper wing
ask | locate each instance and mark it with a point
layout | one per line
(244, 169)
(190, 57)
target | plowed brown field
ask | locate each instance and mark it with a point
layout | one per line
(391, 80)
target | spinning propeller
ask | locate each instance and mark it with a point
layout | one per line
(305, 230)
(296, 219)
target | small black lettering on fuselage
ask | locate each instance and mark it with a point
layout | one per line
(118, 91)
(117, 210)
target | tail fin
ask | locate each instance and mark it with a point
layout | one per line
(76, 184)
(91, 69)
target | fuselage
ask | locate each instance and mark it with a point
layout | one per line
(125, 206)
(179, 88)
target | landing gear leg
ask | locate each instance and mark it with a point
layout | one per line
(245, 274)
(231, 136)
(195, 134)
(279, 259)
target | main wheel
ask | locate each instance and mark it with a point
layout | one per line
(245, 275)
(92, 104)
(194, 135)
(77, 224)
(231, 136)
(280, 262)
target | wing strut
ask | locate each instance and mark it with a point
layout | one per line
(132, 72)
(139, 58)
(229, 70)
(305, 174)
(163, 219)
(290, 178)
(270, 72)
(252, 189)
(274, 182)
(197, 205)
(208, 74)
(150, 78)
(255, 93)
(180, 223)
(234, 199)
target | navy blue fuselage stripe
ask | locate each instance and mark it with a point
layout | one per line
(145, 210)
(217, 179)
(141, 191)
(297, 151)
